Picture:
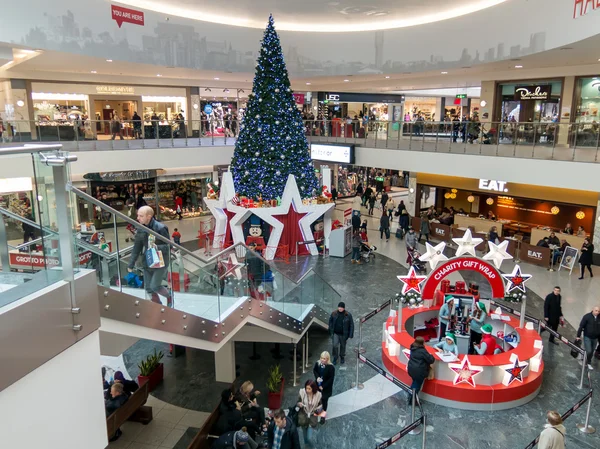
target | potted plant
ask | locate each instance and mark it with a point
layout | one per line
(275, 384)
(151, 370)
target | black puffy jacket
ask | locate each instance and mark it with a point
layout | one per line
(418, 364)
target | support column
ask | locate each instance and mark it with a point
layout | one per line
(488, 96)
(225, 363)
(566, 107)
(596, 235)
(411, 204)
(193, 116)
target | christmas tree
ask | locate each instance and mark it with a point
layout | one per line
(272, 144)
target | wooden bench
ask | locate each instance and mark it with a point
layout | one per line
(204, 438)
(133, 410)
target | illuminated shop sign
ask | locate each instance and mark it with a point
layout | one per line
(493, 185)
(353, 97)
(332, 153)
(115, 90)
(527, 93)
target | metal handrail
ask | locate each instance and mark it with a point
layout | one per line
(27, 149)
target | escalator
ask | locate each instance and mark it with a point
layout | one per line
(213, 298)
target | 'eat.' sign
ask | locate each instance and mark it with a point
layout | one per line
(120, 15)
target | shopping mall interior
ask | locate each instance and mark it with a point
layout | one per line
(294, 225)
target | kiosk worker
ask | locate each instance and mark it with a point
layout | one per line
(476, 320)
(446, 313)
(448, 344)
(488, 345)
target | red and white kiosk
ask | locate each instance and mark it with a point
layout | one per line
(472, 382)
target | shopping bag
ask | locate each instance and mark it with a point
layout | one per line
(154, 258)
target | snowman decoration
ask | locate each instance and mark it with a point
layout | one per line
(255, 234)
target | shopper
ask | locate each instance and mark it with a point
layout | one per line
(334, 194)
(176, 236)
(553, 314)
(476, 320)
(401, 207)
(153, 277)
(247, 396)
(580, 232)
(282, 433)
(356, 244)
(341, 328)
(424, 228)
(553, 436)
(115, 125)
(384, 199)
(590, 327)
(310, 407)
(355, 220)
(324, 373)
(391, 205)
(384, 227)
(117, 398)
(178, 206)
(585, 259)
(137, 125)
(418, 365)
(356, 204)
(493, 235)
(235, 439)
(411, 240)
(372, 200)
(404, 221)
(568, 229)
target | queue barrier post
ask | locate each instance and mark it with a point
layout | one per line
(360, 349)
(586, 428)
(583, 360)
(416, 430)
(357, 385)
(424, 429)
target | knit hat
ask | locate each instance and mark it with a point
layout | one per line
(487, 328)
(448, 298)
(241, 437)
(342, 305)
(451, 336)
(481, 306)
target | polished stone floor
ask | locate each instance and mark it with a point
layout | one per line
(189, 379)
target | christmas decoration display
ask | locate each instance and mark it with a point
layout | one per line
(410, 298)
(515, 297)
(255, 234)
(513, 371)
(412, 281)
(466, 244)
(465, 372)
(434, 254)
(272, 144)
(230, 267)
(498, 253)
(516, 280)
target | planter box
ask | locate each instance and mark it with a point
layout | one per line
(275, 399)
(154, 378)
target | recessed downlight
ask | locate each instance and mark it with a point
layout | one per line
(387, 77)
(158, 74)
(308, 84)
(216, 78)
(109, 60)
(518, 67)
(346, 81)
(93, 71)
(444, 73)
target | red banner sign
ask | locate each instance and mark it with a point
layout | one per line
(36, 261)
(121, 15)
(582, 7)
(299, 98)
(489, 272)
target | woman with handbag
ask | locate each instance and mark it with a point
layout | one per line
(309, 408)
(585, 259)
(418, 364)
(324, 373)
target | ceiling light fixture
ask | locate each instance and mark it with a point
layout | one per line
(308, 84)
(216, 78)
(109, 60)
(346, 81)
(518, 67)
(158, 74)
(444, 73)
(93, 71)
(387, 77)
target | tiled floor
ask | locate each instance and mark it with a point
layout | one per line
(169, 425)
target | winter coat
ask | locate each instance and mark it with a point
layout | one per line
(552, 308)
(328, 375)
(590, 326)
(226, 441)
(411, 240)
(418, 364)
(404, 220)
(356, 241)
(290, 439)
(586, 256)
(552, 437)
(112, 404)
(356, 221)
(348, 324)
(424, 227)
(140, 244)
(384, 222)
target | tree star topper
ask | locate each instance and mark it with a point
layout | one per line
(465, 372)
(497, 253)
(513, 371)
(516, 280)
(412, 281)
(467, 244)
(434, 255)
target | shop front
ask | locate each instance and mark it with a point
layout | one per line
(526, 212)
(352, 114)
(16, 196)
(587, 115)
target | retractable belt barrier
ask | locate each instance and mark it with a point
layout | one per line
(371, 314)
(412, 426)
(306, 242)
(384, 373)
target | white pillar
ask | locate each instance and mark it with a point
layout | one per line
(411, 206)
(488, 94)
(566, 103)
(225, 363)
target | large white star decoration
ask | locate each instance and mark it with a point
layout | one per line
(497, 253)
(231, 265)
(466, 244)
(218, 207)
(434, 254)
(291, 198)
(516, 280)
(465, 372)
(513, 371)
(412, 281)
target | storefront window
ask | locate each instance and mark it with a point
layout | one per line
(589, 100)
(529, 101)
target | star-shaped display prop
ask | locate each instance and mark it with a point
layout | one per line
(516, 280)
(434, 255)
(514, 371)
(412, 281)
(465, 372)
(466, 244)
(497, 253)
(231, 266)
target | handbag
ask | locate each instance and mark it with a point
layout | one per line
(430, 375)
(575, 353)
(302, 419)
(154, 258)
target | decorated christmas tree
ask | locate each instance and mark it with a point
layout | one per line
(271, 144)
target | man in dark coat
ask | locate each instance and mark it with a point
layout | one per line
(282, 432)
(553, 312)
(341, 328)
(117, 399)
(153, 277)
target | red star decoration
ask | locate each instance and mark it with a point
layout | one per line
(465, 372)
(516, 280)
(229, 267)
(412, 281)
(516, 371)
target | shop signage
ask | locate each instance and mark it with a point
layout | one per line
(115, 90)
(121, 15)
(493, 185)
(298, 98)
(332, 153)
(119, 176)
(536, 255)
(582, 7)
(528, 93)
(461, 96)
(38, 261)
(353, 97)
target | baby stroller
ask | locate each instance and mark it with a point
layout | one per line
(413, 261)
(367, 252)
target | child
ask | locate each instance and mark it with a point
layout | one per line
(176, 236)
